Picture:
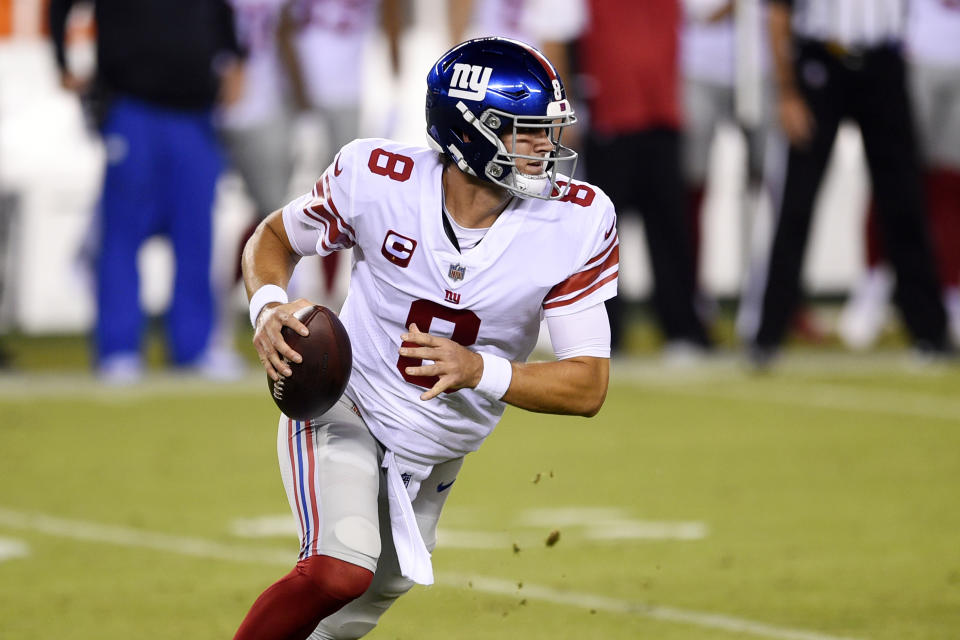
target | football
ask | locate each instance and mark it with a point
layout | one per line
(317, 383)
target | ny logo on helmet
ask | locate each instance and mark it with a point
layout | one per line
(469, 82)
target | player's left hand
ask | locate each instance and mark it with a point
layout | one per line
(456, 366)
(233, 80)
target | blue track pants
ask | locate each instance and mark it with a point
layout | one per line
(162, 169)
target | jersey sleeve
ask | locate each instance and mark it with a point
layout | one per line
(596, 278)
(584, 333)
(319, 222)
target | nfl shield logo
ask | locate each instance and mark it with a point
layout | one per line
(457, 271)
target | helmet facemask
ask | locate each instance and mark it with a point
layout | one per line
(502, 168)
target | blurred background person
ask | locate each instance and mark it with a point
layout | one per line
(933, 52)
(256, 126)
(628, 55)
(161, 66)
(708, 58)
(515, 19)
(835, 60)
(255, 129)
(724, 54)
(8, 212)
(329, 41)
(708, 61)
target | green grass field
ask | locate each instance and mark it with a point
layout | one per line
(816, 503)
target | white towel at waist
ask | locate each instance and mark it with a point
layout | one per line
(411, 549)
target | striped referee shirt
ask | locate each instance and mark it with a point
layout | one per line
(850, 23)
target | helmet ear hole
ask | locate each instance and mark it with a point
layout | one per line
(460, 134)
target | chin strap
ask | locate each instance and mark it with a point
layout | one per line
(530, 185)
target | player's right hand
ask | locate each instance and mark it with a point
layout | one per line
(272, 350)
(73, 83)
(796, 119)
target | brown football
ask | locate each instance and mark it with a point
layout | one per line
(317, 383)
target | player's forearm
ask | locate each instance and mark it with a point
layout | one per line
(267, 256)
(458, 15)
(392, 20)
(577, 386)
(781, 44)
(289, 60)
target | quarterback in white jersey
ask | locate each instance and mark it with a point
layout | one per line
(459, 252)
(385, 200)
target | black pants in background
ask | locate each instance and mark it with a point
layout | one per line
(641, 172)
(869, 88)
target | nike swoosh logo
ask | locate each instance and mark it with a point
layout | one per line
(443, 487)
(610, 230)
(336, 167)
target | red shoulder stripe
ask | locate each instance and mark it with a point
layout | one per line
(603, 252)
(583, 294)
(581, 279)
(333, 238)
(333, 207)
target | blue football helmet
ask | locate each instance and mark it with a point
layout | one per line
(485, 88)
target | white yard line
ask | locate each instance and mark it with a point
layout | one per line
(613, 605)
(201, 548)
(587, 523)
(129, 537)
(11, 548)
(612, 523)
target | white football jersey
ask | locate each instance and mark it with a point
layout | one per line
(540, 258)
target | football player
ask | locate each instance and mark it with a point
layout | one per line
(459, 250)
(933, 51)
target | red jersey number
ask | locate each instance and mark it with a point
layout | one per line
(393, 165)
(580, 194)
(466, 328)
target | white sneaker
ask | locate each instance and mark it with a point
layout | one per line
(121, 369)
(683, 354)
(867, 310)
(221, 364)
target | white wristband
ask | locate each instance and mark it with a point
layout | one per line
(495, 380)
(262, 297)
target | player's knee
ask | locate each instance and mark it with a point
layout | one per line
(393, 587)
(336, 579)
(357, 534)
